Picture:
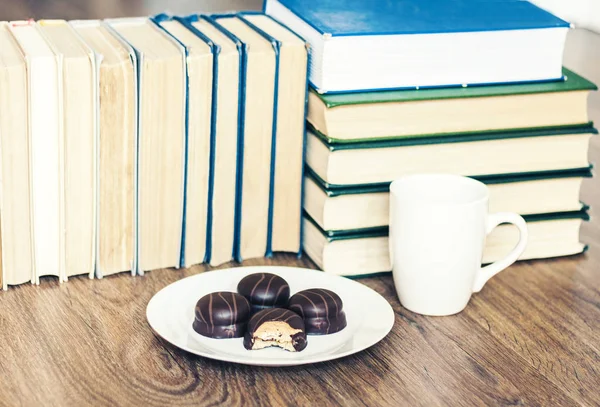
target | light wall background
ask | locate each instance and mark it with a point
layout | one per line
(582, 13)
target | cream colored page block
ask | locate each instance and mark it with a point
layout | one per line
(44, 148)
(199, 65)
(79, 147)
(117, 151)
(225, 160)
(222, 231)
(161, 143)
(258, 132)
(16, 247)
(289, 158)
(200, 103)
(79, 166)
(161, 164)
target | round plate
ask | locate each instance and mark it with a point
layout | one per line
(171, 313)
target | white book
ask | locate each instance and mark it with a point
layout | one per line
(79, 115)
(16, 262)
(46, 148)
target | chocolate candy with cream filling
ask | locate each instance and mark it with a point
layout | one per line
(321, 309)
(264, 290)
(278, 327)
(222, 315)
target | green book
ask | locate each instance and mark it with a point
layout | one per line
(475, 155)
(352, 207)
(357, 253)
(439, 111)
(340, 190)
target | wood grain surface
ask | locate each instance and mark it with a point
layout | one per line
(531, 337)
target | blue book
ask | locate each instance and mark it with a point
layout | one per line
(226, 122)
(199, 138)
(379, 44)
(288, 143)
(255, 145)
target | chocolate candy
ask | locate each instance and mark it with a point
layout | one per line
(222, 315)
(264, 290)
(321, 309)
(276, 327)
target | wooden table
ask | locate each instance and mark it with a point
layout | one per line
(531, 337)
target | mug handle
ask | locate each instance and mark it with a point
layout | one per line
(487, 272)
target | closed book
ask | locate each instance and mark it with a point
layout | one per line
(359, 45)
(45, 149)
(116, 132)
(364, 252)
(448, 111)
(350, 207)
(287, 163)
(255, 137)
(225, 118)
(488, 153)
(77, 81)
(161, 142)
(199, 51)
(16, 246)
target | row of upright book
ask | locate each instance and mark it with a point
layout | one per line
(384, 103)
(148, 143)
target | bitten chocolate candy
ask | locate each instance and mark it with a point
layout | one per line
(321, 309)
(276, 327)
(264, 290)
(222, 315)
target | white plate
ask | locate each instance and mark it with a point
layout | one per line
(171, 313)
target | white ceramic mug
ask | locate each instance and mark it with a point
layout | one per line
(438, 228)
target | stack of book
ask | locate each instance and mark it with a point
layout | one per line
(472, 88)
(147, 143)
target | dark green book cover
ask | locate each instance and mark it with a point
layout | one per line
(573, 82)
(334, 190)
(383, 231)
(334, 144)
